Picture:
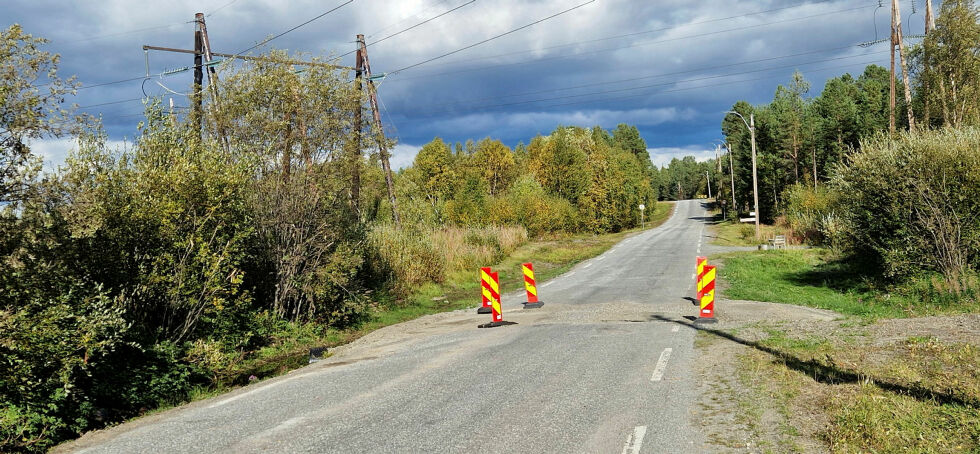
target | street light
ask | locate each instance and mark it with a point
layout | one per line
(755, 179)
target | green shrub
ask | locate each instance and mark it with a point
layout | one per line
(910, 203)
(807, 209)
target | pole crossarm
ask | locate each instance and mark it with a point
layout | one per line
(250, 57)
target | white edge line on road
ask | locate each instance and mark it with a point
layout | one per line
(570, 273)
(635, 440)
(587, 265)
(600, 257)
(658, 372)
(675, 329)
(261, 388)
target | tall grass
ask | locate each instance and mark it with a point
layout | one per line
(415, 256)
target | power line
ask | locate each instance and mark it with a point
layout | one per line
(726, 83)
(412, 27)
(232, 2)
(652, 76)
(641, 87)
(111, 102)
(405, 18)
(491, 38)
(645, 32)
(639, 44)
(263, 42)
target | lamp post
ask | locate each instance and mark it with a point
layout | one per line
(755, 178)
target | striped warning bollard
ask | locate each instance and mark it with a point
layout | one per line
(702, 261)
(498, 316)
(495, 304)
(707, 312)
(485, 290)
(530, 287)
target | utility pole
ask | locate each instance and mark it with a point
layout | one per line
(355, 153)
(382, 147)
(718, 156)
(197, 112)
(755, 176)
(212, 79)
(731, 169)
(212, 75)
(706, 175)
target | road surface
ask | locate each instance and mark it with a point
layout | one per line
(593, 371)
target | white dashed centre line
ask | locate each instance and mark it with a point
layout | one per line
(635, 440)
(658, 372)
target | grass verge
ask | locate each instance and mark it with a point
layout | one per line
(728, 233)
(920, 394)
(817, 278)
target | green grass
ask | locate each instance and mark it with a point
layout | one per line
(808, 277)
(816, 278)
(728, 233)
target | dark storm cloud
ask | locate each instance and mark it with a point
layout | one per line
(511, 88)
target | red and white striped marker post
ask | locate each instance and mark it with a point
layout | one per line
(702, 261)
(485, 290)
(498, 316)
(707, 311)
(530, 287)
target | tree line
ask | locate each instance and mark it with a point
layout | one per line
(831, 171)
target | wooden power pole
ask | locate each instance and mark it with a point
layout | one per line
(355, 153)
(382, 146)
(731, 170)
(196, 97)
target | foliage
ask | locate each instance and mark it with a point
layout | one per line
(31, 98)
(911, 202)
(415, 256)
(949, 66)
(811, 212)
(575, 180)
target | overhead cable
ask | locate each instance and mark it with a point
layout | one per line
(415, 65)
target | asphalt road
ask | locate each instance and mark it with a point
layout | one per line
(593, 371)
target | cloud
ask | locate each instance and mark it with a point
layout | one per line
(53, 152)
(661, 156)
(573, 56)
(403, 155)
(544, 122)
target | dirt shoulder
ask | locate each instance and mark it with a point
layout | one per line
(783, 378)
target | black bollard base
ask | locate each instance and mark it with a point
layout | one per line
(495, 324)
(533, 305)
(484, 310)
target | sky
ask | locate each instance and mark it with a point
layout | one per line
(669, 67)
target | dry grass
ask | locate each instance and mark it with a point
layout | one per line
(416, 256)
